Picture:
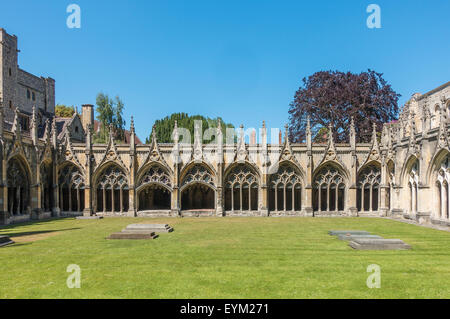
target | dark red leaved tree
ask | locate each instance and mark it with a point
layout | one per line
(332, 97)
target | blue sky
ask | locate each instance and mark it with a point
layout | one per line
(241, 60)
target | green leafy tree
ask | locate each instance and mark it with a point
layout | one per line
(164, 127)
(64, 111)
(110, 112)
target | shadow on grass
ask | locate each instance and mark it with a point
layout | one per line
(30, 233)
(16, 245)
(35, 222)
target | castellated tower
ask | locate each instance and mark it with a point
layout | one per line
(22, 89)
(8, 72)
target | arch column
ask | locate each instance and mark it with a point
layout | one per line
(383, 191)
(4, 214)
(220, 194)
(307, 194)
(264, 191)
(175, 201)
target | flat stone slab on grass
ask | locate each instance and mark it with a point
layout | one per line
(134, 235)
(345, 232)
(89, 217)
(379, 244)
(5, 240)
(159, 228)
(351, 237)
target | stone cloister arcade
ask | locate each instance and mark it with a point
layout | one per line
(402, 172)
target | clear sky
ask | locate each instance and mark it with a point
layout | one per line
(239, 59)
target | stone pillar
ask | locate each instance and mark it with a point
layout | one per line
(308, 193)
(4, 214)
(383, 189)
(219, 194)
(308, 200)
(35, 190)
(264, 194)
(132, 190)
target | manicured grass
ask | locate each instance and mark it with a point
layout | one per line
(222, 258)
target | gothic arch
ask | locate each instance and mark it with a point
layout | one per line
(435, 163)
(198, 187)
(410, 182)
(285, 188)
(441, 186)
(18, 180)
(242, 184)
(105, 165)
(412, 159)
(112, 189)
(142, 171)
(187, 169)
(329, 188)
(155, 188)
(71, 184)
(337, 165)
(368, 187)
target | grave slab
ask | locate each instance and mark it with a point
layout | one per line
(5, 240)
(134, 235)
(345, 232)
(351, 237)
(159, 228)
(379, 244)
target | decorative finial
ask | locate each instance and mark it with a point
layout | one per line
(132, 125)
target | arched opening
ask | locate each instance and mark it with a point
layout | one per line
(71, 189)
(368, 194)
(198, 189)
(197, 196)
(442, 190)
(18, 188)
(328, 190)
(154, 197)
(285, 192)
(156, 189)
(241, 189)
(112, 191)
(413, 185)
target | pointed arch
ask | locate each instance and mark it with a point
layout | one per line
(71, 184)
(285, 188)
(198, 187)
(155, 187)
(329, 188)
(435, 163)
(18, 180)
(189, 167)
(112, 185)
(412, 159)
(337, 165)
(368, 187)
(242, 187)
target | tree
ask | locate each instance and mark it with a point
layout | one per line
(333, 97)
(164, 127)
(109, 112)
(64, 111)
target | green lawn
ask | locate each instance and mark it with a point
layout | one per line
(222, 258)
